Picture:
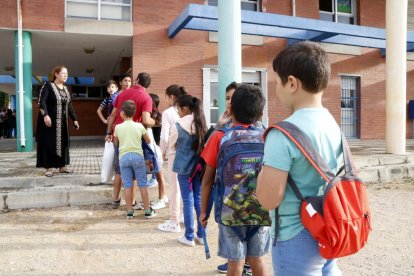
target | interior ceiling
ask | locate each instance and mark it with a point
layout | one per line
(50, 49)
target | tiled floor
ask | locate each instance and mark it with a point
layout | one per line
(86, 156)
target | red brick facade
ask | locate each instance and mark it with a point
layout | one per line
(180, 60)
(48, 15)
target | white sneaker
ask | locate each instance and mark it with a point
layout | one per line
(158, 204)
(183, 240)
(165, 199)
(169, 227)
(199, 240)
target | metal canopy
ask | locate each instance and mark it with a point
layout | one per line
(205, 18)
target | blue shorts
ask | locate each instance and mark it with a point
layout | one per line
(232, 248)
(300, 256)
(133, 164)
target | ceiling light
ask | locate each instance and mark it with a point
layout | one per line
(89, 50)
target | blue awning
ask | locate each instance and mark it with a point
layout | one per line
(88, 81)
(205, 18)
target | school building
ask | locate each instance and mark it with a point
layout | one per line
(176, 42)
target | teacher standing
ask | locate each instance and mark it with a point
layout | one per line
(52, 134)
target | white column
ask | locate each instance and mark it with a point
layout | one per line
(396, 75)
(229, 44)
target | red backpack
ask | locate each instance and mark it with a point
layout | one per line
(340, 218)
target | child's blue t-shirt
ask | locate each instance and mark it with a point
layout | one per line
(280, 153)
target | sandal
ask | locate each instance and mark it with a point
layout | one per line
(48, 173)
(66, 170)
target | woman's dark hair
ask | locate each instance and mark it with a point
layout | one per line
(176, 91)
(57, 70)
(247, 104)
(155, 100)
(195, 106)
(233, 85)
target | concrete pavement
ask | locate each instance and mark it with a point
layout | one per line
(22, 185)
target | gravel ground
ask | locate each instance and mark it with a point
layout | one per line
(97, 240)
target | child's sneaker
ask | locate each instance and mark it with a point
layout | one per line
(183, 240)
(223, 268)
(247, 271)
(199, 240)
(150, 213)
(130, 214)
(169, 227)
(165, 199)
(116, 204)
(152, 183)
(137, 206)
(158, 204)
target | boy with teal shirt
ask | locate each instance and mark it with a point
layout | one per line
(129, 136)
(302, 73)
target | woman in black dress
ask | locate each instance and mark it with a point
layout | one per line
(52, 134)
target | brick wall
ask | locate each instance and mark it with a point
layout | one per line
(8, 14)
(37, 14)
(371, 13)
(169, 61)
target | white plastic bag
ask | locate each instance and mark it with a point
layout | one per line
(107, 169)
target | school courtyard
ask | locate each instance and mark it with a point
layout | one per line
(54, 226)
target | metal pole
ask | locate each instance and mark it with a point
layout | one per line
(20, 74)
(229, 44)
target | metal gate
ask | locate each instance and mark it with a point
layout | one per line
(350, 106)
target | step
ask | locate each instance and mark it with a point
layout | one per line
(61, 195)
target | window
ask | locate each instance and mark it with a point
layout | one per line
(342, 11)
(211, 87)
(99, 9)
(248, 5)
(350, 106)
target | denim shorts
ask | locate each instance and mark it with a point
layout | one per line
(133, 164)
(300, 256)
(232, 248)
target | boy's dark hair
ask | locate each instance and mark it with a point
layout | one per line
(233, 85)
(196, 107)
(111, 82)
(306, 61)
(128, 107)
(247, 104)
(123, 76)
(144, 79)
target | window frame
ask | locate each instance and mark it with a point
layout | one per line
(99, 4)
(257, 2)
(335, 13)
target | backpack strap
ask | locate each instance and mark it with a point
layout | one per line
(349, 166)
(302, 141)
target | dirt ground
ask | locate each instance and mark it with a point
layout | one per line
(96, 240)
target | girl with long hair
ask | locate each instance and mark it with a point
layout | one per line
(190, 129)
